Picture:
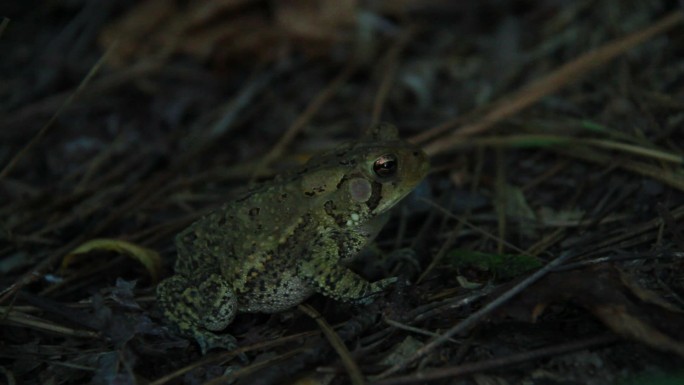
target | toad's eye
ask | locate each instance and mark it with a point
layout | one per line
(385, 166)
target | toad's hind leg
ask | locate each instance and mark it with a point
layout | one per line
(198, 306)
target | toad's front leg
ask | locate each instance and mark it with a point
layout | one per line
(342, 284)
(324, 271)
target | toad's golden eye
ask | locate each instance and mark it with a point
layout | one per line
(385, 166)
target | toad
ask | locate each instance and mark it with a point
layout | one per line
(286, 239)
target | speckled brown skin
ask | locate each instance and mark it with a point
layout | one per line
(272, 248)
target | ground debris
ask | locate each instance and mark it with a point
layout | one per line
(554, 130)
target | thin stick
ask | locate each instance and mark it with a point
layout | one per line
(414, 329)
(472, 226)
(305, 117)
(670, 177)
(354, 372)
(543, 141)
(8, 168)
(3, 25)
(32, 322)
(389, 68)
(227, 355)
(567, 74)
(495, 363)
(476, 317)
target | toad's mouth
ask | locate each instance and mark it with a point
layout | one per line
(384, 205)
(389, 194)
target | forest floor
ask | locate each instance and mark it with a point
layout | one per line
(546, 245)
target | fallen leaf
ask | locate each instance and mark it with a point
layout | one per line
(148, 257)
(519, 211)
(223, 31)
(629, 310)
(402, 350)
(317, 20)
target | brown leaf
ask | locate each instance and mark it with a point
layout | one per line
(317, 20)
(228, 30)
(614, 298)
(143, 20)
(147, 257)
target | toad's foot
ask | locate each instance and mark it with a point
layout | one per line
(377, 288)
(208, 341)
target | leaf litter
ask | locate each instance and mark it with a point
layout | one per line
(554, 130)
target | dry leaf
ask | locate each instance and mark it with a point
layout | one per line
(623, 306)
(317, 20)
(149, 258)
(224, 31)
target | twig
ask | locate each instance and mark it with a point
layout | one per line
(37, 272)
(9, 376)
(543, 141)
(27, 321)
(471, 226)
(223, 356)
(495, 363)
(354, 372)
(3, 25)
(255, 367)
(566, 74)
(476, 317)
(305, 117)
(443, 250)
(36, 138)
(389, 67)
(500, 201)
(413, 329)
(97, 86)
(672, 178)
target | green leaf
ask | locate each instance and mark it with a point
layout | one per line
(147, 257)
(502, 266)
